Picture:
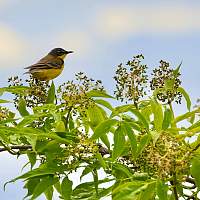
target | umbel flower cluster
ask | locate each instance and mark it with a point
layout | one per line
(165, 82)
(131, 80)
(72, 95)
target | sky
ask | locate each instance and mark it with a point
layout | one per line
(102, 34)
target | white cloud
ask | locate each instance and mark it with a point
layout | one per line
(116, 22)
(12, 47)
(78, 41)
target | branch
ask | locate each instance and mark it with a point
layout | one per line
(18, 147)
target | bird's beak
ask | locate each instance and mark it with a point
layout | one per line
(67, 52)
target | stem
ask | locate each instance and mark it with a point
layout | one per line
(68, 115)
(95, 176)
(174, 182)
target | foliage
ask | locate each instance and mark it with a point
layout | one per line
(144, 149)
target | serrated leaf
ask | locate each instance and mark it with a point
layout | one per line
(195, 170)
(34, 173)
(158, 114)
(121, 109)
(155, 135)
(143, 142)
(132, 138)
(30, 186)
(186, 96)
(104, 103)
(103, 128)
(98, 93)
(119, 142)
(140, 117)
(134, 190)
(88, 169)
(96, 115)
(44, 184)
(49, 193)
(22, 108)
(186, 115)
(32, 158)
(4, 101)
(167, 119)
(120, 168)
(101, 160)
(51, 94)
(176, 71)
(60, 126)
(105, 140)
(162, 189)
(66, 188)
(15, 90)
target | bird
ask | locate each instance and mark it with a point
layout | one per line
(50, 66)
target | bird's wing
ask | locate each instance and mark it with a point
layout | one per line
(45, 63)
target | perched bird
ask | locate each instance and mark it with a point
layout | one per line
(50, 66)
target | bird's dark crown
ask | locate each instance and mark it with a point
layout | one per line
(59, 52)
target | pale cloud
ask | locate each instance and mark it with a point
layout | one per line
(78, 41)
(12, 47)
(4, 4)
(116, 22)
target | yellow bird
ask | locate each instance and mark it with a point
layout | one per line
(50, 66)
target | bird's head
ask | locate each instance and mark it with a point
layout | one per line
(59, 52)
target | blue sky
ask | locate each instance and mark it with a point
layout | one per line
(102, 34)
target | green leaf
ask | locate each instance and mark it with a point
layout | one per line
(15, 90)
(162, 189)
(98, 93)
(51, 94)
(158, 114)
(149, 192)
(169, 84)
(30, 186)
(103, 128)
(146, 112)
(186, 115)
(66, 188)
(121, 109)
(49, 193)
(143, 142)
(135, 190)
(32, 158)
(44, 184)
(41, 171)
(119, 142)
(101, 160)
(176, 71)
(140, 117)
(155, 135)
(22, 108)
(132, 138)
(60, 126)
(167, 119)
(4, 101)
(87, 190)
(105, 140)
(121, 171)
(186, 96)
(96, 115)
(104, 103)
(88, 169)
(195, 170)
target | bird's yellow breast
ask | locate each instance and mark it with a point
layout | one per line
(47, 74)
